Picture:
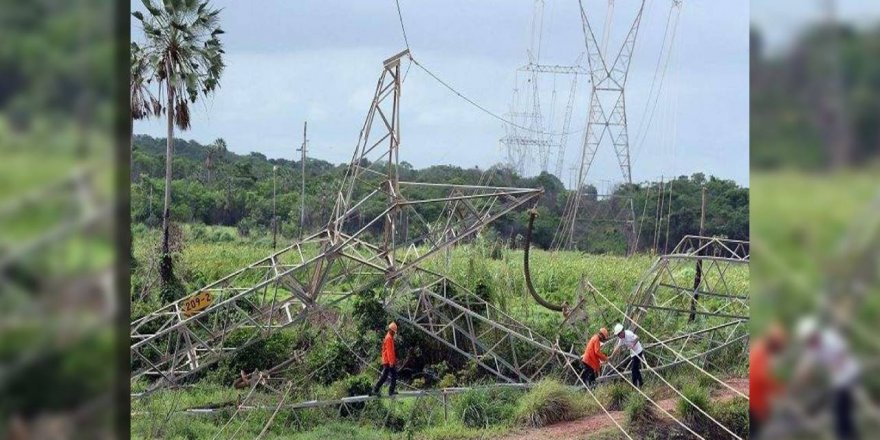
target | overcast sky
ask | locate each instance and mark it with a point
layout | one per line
(318, 60)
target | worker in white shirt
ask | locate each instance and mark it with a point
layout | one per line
(631, 341)
(826, 351)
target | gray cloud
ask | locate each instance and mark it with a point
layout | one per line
(319, 60)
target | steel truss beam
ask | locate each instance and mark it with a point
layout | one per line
(177, 341)
(696, 298)
(555, 69)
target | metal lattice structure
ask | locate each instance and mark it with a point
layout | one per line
(189, 334)
(596, 212)
(351, 255)
(478, 330)
(606, 116)
(695, 299)
(531, 138)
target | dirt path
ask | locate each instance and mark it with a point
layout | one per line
(578, 429)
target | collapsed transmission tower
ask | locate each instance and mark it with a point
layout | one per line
(531, 137)
(184, 337)
(696, 300)
(608, 75)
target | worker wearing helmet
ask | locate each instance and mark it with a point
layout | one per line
(389, 362)
(593, 357)
(826, 351)
(636, 352)
(764, 386)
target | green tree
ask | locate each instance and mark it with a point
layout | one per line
(142, 101)
(183, 48)
(215, 152)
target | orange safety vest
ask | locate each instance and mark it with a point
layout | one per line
(762, 385)
(593, 353)
(389, 357)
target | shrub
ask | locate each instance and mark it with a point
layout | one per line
(138, 229)
(221, 236)
(547, 403)
(613, 395)
(418, 384)
(734, 414)
(448, 381)
(469, 373)
(641, 416)
(434, 374)
(421, 414)
(262, 354)
(368, 312)
(342, 431)
(330, 362)
(481, 408)
(698, 397)
(355, 386)
(707, 382)
(198, 231)
(394, 418)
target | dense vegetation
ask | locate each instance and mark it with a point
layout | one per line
(816, 102)
(214, 186)
(329, 369)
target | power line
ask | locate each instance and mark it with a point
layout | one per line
(691, 402)
(586, 387)
(461, 95)
(402, 27)
(484, 109)
(668, 414)
(642, 131)
(675, 352)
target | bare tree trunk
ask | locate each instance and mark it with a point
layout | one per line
(166, 269)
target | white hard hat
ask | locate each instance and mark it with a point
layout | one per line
(806, 327)
(618, 328)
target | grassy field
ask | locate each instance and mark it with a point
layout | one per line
(798, 231)
(210, 253)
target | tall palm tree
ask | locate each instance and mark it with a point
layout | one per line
(143, 103)
(216, 150)
(183, 47)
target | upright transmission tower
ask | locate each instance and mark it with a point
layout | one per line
(606, 119)
(535, 141)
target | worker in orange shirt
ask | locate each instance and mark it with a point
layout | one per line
(764, 387)
(593, 357)
(389, 362)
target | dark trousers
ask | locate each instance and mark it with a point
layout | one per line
(387, 371)
(755, 425)
(588, 374)
(844, 414)
(635, 363)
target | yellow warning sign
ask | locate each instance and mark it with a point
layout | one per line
(196, 303)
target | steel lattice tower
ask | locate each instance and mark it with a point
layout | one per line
(531, 136)
(608, 75)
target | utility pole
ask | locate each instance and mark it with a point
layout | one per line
(702, 210)
(302, 198)
(698, 275)
(274, 216)
(837, 131)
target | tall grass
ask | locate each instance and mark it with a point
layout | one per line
(547, 403)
